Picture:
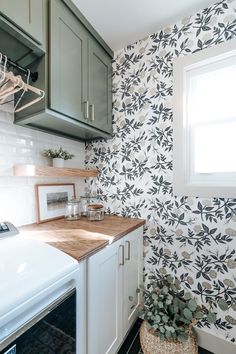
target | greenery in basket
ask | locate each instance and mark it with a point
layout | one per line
(171, 312)
(58, 154)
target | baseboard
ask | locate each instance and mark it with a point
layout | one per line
(214, 343)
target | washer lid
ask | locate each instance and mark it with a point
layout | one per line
(28, 267)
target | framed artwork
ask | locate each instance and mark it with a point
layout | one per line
(51, 200)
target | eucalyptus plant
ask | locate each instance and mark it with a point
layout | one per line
(171, 312)
(58, 154)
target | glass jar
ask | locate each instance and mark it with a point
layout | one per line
(73, 210)
(85, 201)
(95, 212)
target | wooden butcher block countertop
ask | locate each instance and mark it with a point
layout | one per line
(81, 238)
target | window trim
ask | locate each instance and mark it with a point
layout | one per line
(181, 167)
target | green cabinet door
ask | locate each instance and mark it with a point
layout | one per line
(99, 87)
(25, 14)
(68, 63)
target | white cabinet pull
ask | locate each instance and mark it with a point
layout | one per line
(128, 250)
(122, 255)
(86, 110)
(92, 113)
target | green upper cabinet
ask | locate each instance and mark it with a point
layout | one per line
(27, 15)
(68, 63)
(75, 74)
(99, 87)
(80, 71)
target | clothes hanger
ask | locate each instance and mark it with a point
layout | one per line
(28, 94)
(3, 72)
(28, 87)
(23, 92)
(14, 83)
(5, 83)
(4, 93)
(39, 92)
(4, 67)
(18, 84)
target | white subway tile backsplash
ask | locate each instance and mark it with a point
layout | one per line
(20, 145)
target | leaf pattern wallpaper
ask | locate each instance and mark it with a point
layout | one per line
(193, 238)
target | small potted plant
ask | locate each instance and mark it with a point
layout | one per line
(169, 316)
(58, 156)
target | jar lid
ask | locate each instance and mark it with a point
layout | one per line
(74, 200)
(95, 206)
(88, 196)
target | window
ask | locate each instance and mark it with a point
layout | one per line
(205, 122)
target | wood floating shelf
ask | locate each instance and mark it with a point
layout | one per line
(47, 171)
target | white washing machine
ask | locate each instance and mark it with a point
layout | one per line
(41, 310)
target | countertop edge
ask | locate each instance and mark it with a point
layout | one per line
(106, 243)
(72, 246)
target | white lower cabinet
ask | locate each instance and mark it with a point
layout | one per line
(114, 274)
(132, 277)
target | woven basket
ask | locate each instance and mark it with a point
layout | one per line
(153, 345)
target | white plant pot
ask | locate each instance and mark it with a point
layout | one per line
(58, 162)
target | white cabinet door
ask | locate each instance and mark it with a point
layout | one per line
(132, 277)
(105, 300)
(114, 274)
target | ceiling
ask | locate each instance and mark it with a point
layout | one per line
(122, 22)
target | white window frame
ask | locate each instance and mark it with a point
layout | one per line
(205, 185)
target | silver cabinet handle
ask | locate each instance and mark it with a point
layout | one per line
(128, 250)
(122, 255)
(86, 110)
(92, 112)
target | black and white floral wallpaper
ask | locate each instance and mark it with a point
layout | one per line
(193, 238)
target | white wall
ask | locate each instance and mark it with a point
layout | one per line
(20, 145)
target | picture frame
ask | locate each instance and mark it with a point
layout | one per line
(51, 200)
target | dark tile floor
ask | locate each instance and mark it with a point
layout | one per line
(132, 343)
